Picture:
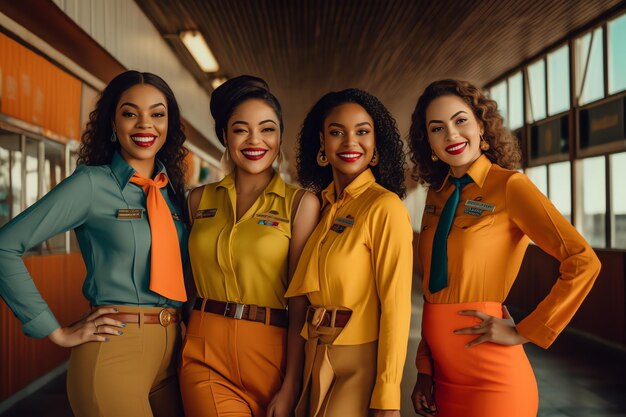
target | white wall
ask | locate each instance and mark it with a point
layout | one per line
(126, 33)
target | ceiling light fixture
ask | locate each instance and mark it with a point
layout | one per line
(216, 82)
(198, 48)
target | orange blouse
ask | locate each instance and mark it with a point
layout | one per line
(496, 217)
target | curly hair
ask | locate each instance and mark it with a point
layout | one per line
(390, 170)
(97, 149)
(504, 148)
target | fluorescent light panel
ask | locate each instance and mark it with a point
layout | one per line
(198, 48)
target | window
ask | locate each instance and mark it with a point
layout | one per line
(499, 94)
(54, 173)
(560, 189)
(616, 54)
(10, 176)
(618, 200)
(516, 101)
(593, 197)
(539, 176)
(32, 171)
(537, 90)
(589, 67)
(558, 81)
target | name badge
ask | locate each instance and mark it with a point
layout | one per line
(480, 205)
(268, 223)
(346, 221)
(473, 211)
(430, 209)
(272, 216)
(129, 214)
(337, 228)
(203, 214)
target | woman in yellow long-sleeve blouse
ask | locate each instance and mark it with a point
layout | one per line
(478, 220)
(356, 267)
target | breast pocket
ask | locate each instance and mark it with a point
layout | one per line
(473, 223)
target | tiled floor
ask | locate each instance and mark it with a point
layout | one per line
(576, 377)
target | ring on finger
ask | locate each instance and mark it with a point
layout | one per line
(95, 324)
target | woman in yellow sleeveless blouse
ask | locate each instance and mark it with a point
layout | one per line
(470, 360)
(243, 353)
(356, 267)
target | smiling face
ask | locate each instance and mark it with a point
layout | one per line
(349, 141)
(141, 125)
(453, 132)
(253, 136)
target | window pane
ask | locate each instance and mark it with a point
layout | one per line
(537, 89)
(32, 172)
(560, 188)
(516, 101)
(593, 196)
(54, 172)
(618, 199)
(498, 93)
(617, 54)
(539, 176)
(593, 88)
(10, 176)
(558, 81)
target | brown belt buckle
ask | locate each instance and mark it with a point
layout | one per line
(318, 316)
(165, 318)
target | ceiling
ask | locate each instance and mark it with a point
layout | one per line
(391, 48)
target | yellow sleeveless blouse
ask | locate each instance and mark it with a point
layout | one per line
(243, 261)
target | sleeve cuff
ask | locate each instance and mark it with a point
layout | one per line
(536, 332)
(42, 325)
(385, 396)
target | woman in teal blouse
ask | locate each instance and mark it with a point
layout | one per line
(125, 347)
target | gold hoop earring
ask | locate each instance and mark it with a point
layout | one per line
(375, 159)
(322, 160)
(433, 157)
(484, 145)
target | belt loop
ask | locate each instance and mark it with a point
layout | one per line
(333, 317)
(252, 311)
(141, 318)
(204, 300)
(268, 313)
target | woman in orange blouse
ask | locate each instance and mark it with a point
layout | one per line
(356, 267)
(478, 220)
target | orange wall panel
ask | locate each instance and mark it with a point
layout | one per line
(36, 91)
(23, 359)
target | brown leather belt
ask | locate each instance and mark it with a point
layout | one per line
(251, 312)
(319, 316)
(164, 317)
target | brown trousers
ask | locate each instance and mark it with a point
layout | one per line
(115, 378)
(338, 379)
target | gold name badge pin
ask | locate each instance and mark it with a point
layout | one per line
(129, 214)
(203, 214)
(480, 205)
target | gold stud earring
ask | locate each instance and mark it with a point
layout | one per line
(433, 157)
(321, 158)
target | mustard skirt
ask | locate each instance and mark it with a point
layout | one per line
(486, 380)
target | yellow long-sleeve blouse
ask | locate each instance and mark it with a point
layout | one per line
(360, 257)
(244, 261)
(496, 216)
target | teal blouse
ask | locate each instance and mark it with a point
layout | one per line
(115, 247)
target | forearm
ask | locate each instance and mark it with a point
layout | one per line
(295, 342)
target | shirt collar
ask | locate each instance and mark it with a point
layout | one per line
(478, 171)
(123, 172)
(358, 185)
(276, 185)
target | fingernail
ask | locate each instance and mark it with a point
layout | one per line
(120, 332)
(123, 324)
(106, 339)
(115, 309)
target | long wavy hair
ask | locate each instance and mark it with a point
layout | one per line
(97, 149)
(504, 148)
(390, 170)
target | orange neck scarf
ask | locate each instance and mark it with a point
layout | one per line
(166, 267)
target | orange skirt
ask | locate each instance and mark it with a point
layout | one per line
(487, 380)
